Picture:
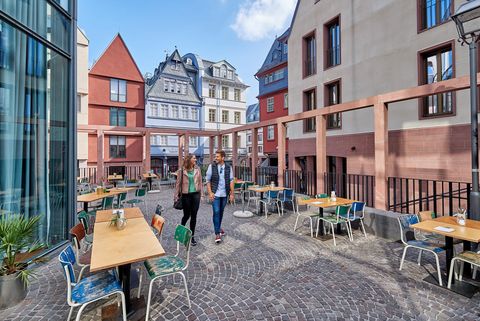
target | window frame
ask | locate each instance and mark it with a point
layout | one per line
(237, 116)
(237, 94)
(117, 121)
(271, 102)
(117, 153)
(210, 113)
(327, 102)
(326, 41)
(311, 34)
(227, 91)
(421, 56)
(225, 112)
(421, 17)
(305, 121)
(118, 80)
(212, 91)
(285, 101)
(270, 127)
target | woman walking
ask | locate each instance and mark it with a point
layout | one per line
(190, 177)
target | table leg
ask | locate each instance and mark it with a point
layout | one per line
(149, 183)
(124, 271)
(260, 210)
(467, 269)
(85, 206)
(320, 222)
(449, 253)
(115, 184)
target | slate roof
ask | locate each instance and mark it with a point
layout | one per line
(277, 47)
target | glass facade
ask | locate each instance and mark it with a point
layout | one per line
(36, 108)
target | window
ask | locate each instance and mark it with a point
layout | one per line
(309, 55)
(164, 111)
(270, 104)
(260, 137)
(166, 85)
(184, 112)
(309, 103)
(332, 97)
(271, 132)
(239, 141)
(279, 74)
(249, 149)
(192, 141)
(236, 94)
(118, 90)
(177, 87)
(194, 114)
(332, 43)
(434, 12)
(225, 93)
(285, 101)
(117, 147)
(79, 103)
(118, 116)
(211, 91)
(230, 74)
(216, 72)
(224, 116)
(285, 49)
(184, 88)
(274, 76)
(225, 141)
(437, 65)
(212, 115)
(249, 138)
(223, 71)
(175, 112)
(236, 117)
(163, 140)
(260, 149)
(159, 140)
(153, 110)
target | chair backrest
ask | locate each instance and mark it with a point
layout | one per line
(238, 185)
(67, 260)
(272, 194)
(83, 218)
(405, 221)
(121, 197)
(140, 192)
(342, 211)
(248, 184)
(107, 202)
(183, 236)
(357, 210)
(321, 195)
(157, 223)
(426, 215)
(78, 234)
(288, 194)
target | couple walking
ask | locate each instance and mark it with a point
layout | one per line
(219, 186)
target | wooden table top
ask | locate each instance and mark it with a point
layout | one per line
(91, 197)
(113, 247)
(149, 175)
(325, 202)
(263, 189)
(106, 215)
(114, 177)
(469, 232)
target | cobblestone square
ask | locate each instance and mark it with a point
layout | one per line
(265, 271)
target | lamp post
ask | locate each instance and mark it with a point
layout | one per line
(467, 19)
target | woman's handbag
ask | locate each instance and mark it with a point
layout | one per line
(178, 205)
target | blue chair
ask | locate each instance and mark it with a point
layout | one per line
(408, 239)
(90, 289)
(288, 196)
(356, 213)
(271, 199)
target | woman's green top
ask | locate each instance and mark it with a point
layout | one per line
(191, 181)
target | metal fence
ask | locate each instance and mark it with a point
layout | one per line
(352, 186)
(88, 173)
(302, 182)
(267, 175)
(410, 195)
(243, 173)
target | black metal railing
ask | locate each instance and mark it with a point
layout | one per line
(302, 182)
(352, 186)
(266, 175)
(243, 173)
(411, 195)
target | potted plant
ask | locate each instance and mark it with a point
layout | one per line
(17, 247)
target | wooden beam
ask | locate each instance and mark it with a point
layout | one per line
(254, 153)
(211, 148)
(146, 152)
(100, 156)
(321, 152)
(281, 151)
(381, 155)
(181, 144)
(186, 145)
(234, 150)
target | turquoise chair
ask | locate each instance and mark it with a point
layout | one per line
(340, 211)
(140, 197)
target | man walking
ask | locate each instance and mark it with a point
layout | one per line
(220, 188)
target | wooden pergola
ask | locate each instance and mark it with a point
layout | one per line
(380, 106)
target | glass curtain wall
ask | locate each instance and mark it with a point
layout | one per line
(35, 116)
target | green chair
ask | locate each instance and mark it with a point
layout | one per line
(140, 197)
(308, 214)
(238, 190)
(170, 265)
(121, 199)
(86, 220)
(323, 195)
(341, 212)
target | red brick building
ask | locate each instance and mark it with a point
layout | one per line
(116, 98)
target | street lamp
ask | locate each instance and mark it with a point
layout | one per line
(468, 26)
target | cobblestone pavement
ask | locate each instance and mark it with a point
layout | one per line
(265, 271)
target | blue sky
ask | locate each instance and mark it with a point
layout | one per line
(240, 31)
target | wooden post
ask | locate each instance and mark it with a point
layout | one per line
(381, 154)
(254, 153)
(321, 151)
(281, 133)
(219, 142)
(211, 148)
(186, 145)
(181, 144)
(100, 156)
(146, 152)
(234, 151)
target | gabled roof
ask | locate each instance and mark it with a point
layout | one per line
(275, 55)
(117, 62)
(221, 62)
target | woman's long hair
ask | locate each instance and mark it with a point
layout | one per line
(187, 162)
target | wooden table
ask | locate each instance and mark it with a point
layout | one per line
(112, 248)
(92, 197)
(149, 177)
(106, 215)
(114, 179)
(322, 203)
(264, 189)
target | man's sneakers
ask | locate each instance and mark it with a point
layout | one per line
(218, 238)
(222, 232)
(193, 242)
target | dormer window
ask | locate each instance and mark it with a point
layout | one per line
(216, 72)
(189, 61)
(223, 71)
(230, 74)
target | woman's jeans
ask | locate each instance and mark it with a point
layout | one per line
(190, 202)
(218, 205)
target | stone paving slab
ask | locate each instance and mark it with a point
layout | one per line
(265, 271)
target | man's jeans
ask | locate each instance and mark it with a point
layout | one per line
(218, 206)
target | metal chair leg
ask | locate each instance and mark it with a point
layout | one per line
(186, 289)
(403, 257)
(450, 274)
(419, 257)
(438, 270)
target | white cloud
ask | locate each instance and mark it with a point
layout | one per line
(258, 19)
